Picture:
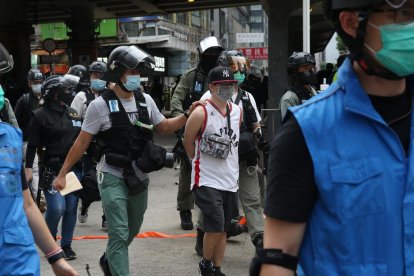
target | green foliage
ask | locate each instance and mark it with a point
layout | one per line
(340, 45)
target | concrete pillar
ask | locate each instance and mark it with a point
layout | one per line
(278, 12)
(15, 34)
(82, 42)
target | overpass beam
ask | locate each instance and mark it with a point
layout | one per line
(279, 13)
(82, 39)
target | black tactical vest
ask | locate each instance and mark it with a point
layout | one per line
(117, 139)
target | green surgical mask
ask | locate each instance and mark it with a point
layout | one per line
(397, 52)
(1, 97)
(239, 77)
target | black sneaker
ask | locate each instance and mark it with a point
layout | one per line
(103, 263)
(69, 253)
(199, 242)
(217, 271)
(186, 221)
(206, 268)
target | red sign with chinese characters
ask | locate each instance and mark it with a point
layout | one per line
(255, 53)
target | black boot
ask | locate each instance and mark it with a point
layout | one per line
(186, 221)
(236, 228)
(257, 240)
(103, 263)
(199, 242)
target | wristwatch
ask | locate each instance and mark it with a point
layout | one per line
(274, 257)
(186, 114)
(54, 258)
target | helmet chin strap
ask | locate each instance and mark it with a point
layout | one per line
(123, 87)
(369, 68)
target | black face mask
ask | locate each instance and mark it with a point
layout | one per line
(208, 63)
(306, 78)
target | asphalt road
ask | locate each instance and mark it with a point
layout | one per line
(155, 256)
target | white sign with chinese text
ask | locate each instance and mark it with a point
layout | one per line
(249, 37)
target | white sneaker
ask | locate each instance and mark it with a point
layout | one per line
(82, 218)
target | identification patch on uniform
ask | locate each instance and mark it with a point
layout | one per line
(113, 106)
(76, 123)
(143, 104)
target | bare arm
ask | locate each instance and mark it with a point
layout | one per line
(192, 128)
(282, 235)
(75, 153)
(172, 124)
(41, 233)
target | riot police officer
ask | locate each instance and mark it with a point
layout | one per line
(113, 119)
(23, 110)
(80, 103)
(302, 75)
(83, 85)
(53, 129)
(192, 85)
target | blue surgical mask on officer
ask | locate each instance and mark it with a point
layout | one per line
(98, 85)
(132, 83)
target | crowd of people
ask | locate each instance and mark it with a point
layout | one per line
(340, 165)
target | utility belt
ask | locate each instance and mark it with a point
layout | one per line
(134, 178)
(50, 169)
(153, 158)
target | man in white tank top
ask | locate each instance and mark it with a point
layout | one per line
(214, 177)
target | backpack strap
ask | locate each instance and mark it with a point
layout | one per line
(89, 98)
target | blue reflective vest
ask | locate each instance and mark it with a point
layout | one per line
(18, 255)
(363, 220)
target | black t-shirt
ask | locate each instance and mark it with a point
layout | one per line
(291, 188)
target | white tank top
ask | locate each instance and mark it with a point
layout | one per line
(220, 174)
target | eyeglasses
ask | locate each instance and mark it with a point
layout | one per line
(401, 15)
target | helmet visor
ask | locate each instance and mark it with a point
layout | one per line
(69, 81)
(239, 64)
(6, 60)
(132, 57)
(210, 42)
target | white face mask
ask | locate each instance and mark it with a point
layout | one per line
(36, 88)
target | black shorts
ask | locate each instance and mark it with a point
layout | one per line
(217, 207)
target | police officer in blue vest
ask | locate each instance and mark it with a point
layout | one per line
(20, 220)
(340, 196)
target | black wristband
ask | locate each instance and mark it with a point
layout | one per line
(186, 114)
(274, 257)
(54, 258)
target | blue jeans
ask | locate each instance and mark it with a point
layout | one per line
(64, 207)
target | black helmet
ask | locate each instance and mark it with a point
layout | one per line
(297, 59)
(332, 7)
(128, 57)
(210, 45)
(35, 75)
(6, 60)
(80, 71)
(235, 60)
(51, 86)
(56, 84)
(98, 66)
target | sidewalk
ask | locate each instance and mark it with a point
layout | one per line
(155, 256)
